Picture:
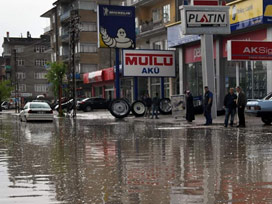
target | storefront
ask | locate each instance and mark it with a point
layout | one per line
(253, 76)
(102, 84)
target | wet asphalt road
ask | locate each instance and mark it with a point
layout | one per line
(133, 162)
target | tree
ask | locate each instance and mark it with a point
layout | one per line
(55, 76)
(5, 90)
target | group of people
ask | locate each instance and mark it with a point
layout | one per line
(232, 102)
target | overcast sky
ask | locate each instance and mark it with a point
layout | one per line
(20, 16)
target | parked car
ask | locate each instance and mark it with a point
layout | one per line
(89, 104)
(36, 111)
(261, 108)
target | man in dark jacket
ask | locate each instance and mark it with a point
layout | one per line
(230, 106)
(241, 104)
(190, 115)
(208, 100)
(148, 104)
(155, 106)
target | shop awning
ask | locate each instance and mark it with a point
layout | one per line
(96, 76)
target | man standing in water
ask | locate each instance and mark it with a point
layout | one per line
(208, 100)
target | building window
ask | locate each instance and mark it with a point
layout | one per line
(156, 14)
(40, 75)
(88, 48)
(87, 5)
(157, 45)
(40, 62)
(85, 68)
(166, 13)
(41, 88)
(20, 62)
(19, 49)
(21, 87)
(20, 75)
(88, 27)
(39, 49)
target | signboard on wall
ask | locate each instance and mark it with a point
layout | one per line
(249, 50)
(250, 13)
(116, 26)
(205, 20)
(149, 63)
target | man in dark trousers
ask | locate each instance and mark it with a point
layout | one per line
(241, 104)
(148, 104)
(208, 100)
(230, 106)
(190, 115)
(155, 106)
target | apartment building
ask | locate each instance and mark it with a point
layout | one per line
(152, 19)
(29, 70)
(88, 58)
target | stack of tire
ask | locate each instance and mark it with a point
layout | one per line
(120, 108)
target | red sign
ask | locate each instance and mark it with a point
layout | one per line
(193, 53)
(209, 2)
(259, 35)
(249, 50)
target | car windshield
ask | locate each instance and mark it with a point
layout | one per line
(39, 105)
(268, 97)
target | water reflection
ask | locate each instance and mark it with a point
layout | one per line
(71, 161)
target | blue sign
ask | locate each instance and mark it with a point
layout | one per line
(116, 26)
(176, 38)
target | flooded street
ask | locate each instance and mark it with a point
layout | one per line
(129, 162)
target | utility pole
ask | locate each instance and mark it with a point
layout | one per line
(74, 34)
(15, 81)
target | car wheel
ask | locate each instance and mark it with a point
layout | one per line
(165, 106)
(266, 120)
(88, 109)
(119, 108)
(138, 108)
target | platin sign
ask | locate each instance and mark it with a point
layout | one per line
(249, 50)
(116, 26)
(149, 63)
(205, 20)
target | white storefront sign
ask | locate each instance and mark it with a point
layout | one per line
(205, 20)
(149, 63)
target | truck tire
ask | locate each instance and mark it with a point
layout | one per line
(266, 120)
(138, 108)
(165, 107)
(119, 108)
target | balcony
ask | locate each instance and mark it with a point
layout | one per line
(138, 3)
(150, 27)
(65, 16)
(47, 29)
(65, 37)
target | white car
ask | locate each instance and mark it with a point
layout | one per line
(36, 111)
(261, 108)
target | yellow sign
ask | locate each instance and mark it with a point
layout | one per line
(245, 10)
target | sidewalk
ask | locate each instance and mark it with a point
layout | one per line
(199, 119)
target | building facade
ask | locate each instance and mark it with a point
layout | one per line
(25, 62)
(253, 76)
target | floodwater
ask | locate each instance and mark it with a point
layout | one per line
(126, 162)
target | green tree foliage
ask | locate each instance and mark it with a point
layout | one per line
(55, 76)
(5, 89)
